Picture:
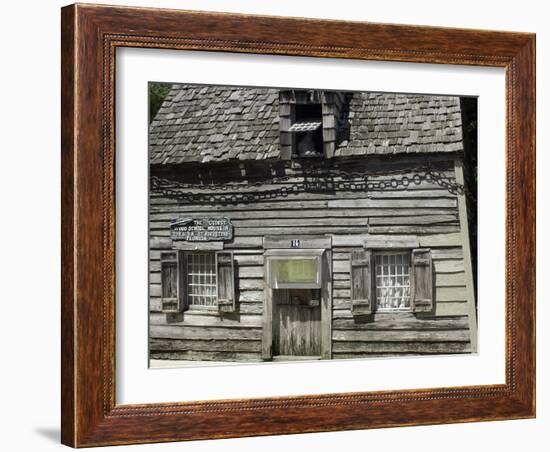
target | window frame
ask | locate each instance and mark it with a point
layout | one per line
(294, 254)
(185, 276)
(295, 134)
(389, 252)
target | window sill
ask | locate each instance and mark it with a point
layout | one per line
(206, 310)
(403, 314)
(307, 157)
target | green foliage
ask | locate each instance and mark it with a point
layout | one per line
(157, 93)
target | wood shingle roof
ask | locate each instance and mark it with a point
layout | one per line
(198, 123)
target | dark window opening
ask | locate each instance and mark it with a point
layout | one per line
(307, 130)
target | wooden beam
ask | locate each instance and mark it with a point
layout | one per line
(464, 232)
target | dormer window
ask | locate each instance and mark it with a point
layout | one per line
(307, 120)
(307, 130)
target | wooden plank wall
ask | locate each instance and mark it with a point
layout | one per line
(425, 211)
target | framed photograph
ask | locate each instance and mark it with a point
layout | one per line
(282, 225)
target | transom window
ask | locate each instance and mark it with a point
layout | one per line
(392, 281)
(201, 278)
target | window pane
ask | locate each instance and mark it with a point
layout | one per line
(201, 279)
(295, 271)
(392, 281)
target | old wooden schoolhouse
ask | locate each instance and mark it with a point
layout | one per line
(291, 224)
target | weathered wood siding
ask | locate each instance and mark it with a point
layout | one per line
(426, 212)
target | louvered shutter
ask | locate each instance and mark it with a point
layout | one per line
(422, 280)
(171, 282)
(225, 281)
(361, 283)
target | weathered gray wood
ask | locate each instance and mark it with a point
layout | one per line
(449, 266)
(162, 243)
(251, 296)
(302, 221)
(451, 308)
(316, 242)
(434, 240)
(326, 307)
(267, 324)
(192, 246)
(400, 322)
(176, 345)
(206, 356)
(251, 284)
(360, 268)
(447, 253)
(442, 308)
(464, 229)
(204, 333)
(244, 242)
(296, 326)
(445, 293)
(424, 215)
(393, 203)
(255, 213)
(245, 306)
(413, 229)
(389, 242)
(458, 293)
(401, 336)
(155, 290)
(272, 205)
(450, 279)
(251, 272)
(225, 281)
(422, 296)
(212, 319)
(431, 240)
(400, 347)
(248, 259)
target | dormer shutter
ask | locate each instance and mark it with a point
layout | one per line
(330, 123)
(285, 122)
(422, 280)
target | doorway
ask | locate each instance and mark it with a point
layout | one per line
(297, 309)
(297, 323)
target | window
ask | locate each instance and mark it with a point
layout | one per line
(307, 130)
(198, 279)
(308, 123)
(295, 272)
(392, 281)
(200, 270)
(291, 269)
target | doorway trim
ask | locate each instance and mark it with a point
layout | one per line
(297, 243)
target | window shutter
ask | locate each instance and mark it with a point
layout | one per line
(171, 282)
(285, 121)
(226, 281)
(361, 283)
(422, 280)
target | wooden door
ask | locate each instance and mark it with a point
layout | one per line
(296, 323)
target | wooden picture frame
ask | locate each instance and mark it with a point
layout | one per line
(90, 36)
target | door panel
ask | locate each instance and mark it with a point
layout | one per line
(296, 324)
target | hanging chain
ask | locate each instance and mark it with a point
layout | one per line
(314, 180)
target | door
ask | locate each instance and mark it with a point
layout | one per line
(296, 323)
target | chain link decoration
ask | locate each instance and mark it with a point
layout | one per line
(316, 180)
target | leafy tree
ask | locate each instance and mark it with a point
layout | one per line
(157, 93)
